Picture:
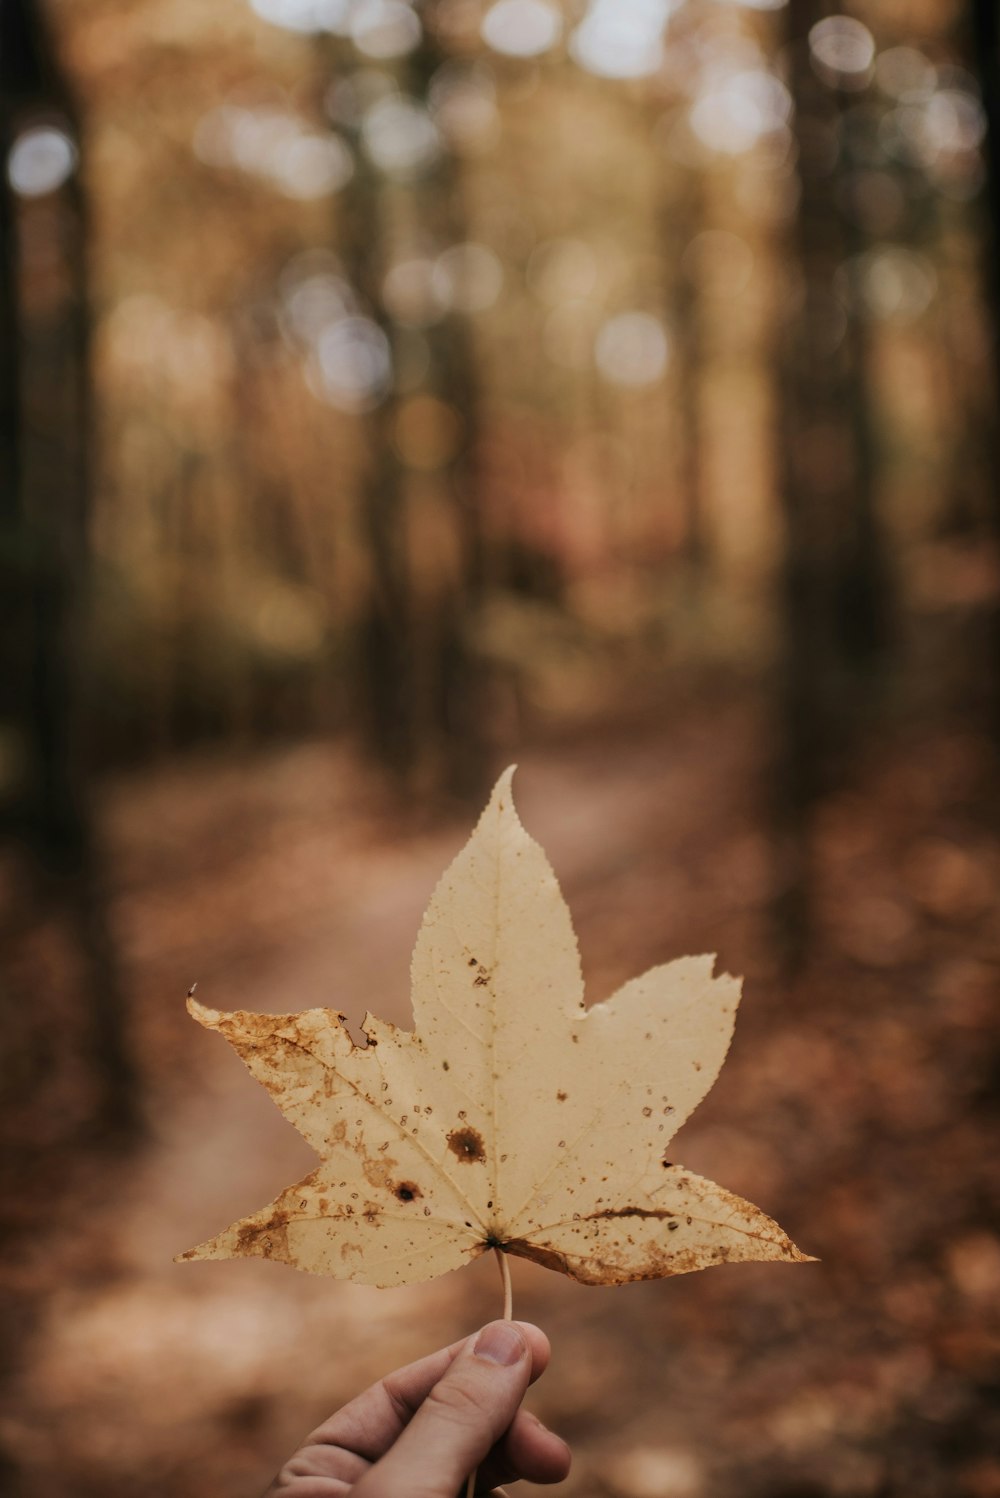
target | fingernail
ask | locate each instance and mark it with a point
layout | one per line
(500, 1342)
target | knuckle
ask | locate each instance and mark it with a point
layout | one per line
(316, 1470)
(402, 1408)
(455, 1400)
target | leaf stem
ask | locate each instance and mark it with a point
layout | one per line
(508, 1292)
(508, 1314)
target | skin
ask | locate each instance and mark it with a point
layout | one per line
(420, 1431)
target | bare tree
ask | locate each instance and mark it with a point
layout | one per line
(420, 685)
(984, 31)
(836, 584)
(45, 429)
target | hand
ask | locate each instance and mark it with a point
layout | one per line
(420, 1431)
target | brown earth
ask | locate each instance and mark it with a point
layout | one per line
(858, 1107)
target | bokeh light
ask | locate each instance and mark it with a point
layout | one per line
(736, 112)
(311, 166)
(894, 283)
(40, 161)
(385, 29)
(272, 143)
(463, 105)
(843, 51)
(306, 15)
(940, 133)
(400, 138)
(905, 73)
(351, 364)
(953, 121)
(621, 38)
(314, 294)
(631, 349)
(522, 28)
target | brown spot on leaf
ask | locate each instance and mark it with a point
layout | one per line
(408, 1191)
(562, 1096)
(466, 1144)
(658, 1263)
(614, 1212)
(547, 1257)
(378, 1172)
(266, 1239)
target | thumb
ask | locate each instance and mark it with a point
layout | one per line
(464, 1414)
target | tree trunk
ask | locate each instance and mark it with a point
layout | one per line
(45, 425)
(984, 28)
(420, 687)
(835, 583)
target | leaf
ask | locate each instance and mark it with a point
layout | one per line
(511, 1116)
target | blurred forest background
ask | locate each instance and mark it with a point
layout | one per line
(391, 390)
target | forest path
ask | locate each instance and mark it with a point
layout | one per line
(290, 880)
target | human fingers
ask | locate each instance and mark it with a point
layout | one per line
(346, 1444)
(370, 1424)
(528, 1451)
(462, 1417)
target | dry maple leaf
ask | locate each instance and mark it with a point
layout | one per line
(511, 1116)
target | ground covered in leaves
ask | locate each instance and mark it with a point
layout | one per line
(858, 1107)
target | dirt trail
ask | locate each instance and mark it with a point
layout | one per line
(853, 1108)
